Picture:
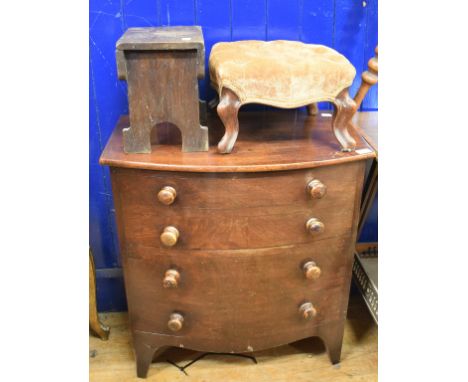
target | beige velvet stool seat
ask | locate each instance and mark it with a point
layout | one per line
(285, 74)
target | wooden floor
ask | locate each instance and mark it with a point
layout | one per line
(304, 360)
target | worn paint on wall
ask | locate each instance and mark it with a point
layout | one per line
(350, 26)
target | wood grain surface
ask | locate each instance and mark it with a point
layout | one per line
(346, 25)
(162, 38)
(268, 141)
(139, 188)
(301, 361)
(237, 300)
(238, 221)
(367, 125)
(176, 79)
(234, 229)
(238, 241)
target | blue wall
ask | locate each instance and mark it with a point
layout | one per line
(350, 26)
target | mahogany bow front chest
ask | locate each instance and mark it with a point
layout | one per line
(242, 252)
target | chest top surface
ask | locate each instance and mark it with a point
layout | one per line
(367, 126)
(268, 141)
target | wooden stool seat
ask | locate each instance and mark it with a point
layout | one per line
(286, 74)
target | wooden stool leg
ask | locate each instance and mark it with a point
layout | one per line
(312, 109)
(228, 109)
(102, 331)
(332, 337)
(345, 108)
(194, 139)
(137, 140)
(145, 352)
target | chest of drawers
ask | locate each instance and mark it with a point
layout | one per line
(242, 252)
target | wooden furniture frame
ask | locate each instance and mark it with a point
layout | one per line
(205, 243)
(365, 269)
(345, 108)
(95, 325)
(162, 61)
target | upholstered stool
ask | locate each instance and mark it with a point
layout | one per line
(285, 74)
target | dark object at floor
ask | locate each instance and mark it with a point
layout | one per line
(183, 368)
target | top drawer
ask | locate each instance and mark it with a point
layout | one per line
(140, 188)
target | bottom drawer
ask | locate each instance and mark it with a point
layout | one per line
(238, 300)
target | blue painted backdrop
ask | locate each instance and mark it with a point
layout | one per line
(349, 26)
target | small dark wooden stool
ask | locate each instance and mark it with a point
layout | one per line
(161, 67)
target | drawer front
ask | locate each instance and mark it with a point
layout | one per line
(234, 229)
(140, 188)
(244, 298)
(234, 211)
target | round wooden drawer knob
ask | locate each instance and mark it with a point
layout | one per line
(176, 322)
(167, 195)
(170, 236)
(311, 270)
(315, 226)
(307, 311)
(316, 189)
(171, 279)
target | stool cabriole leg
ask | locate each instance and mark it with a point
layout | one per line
(228, 108)
(345, 108)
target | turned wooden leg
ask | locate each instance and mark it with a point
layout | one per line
(145, 352)
(332, 337)
(228, 108)
(312, 109)
(345, 108)
(101, 330)
(369, 78)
